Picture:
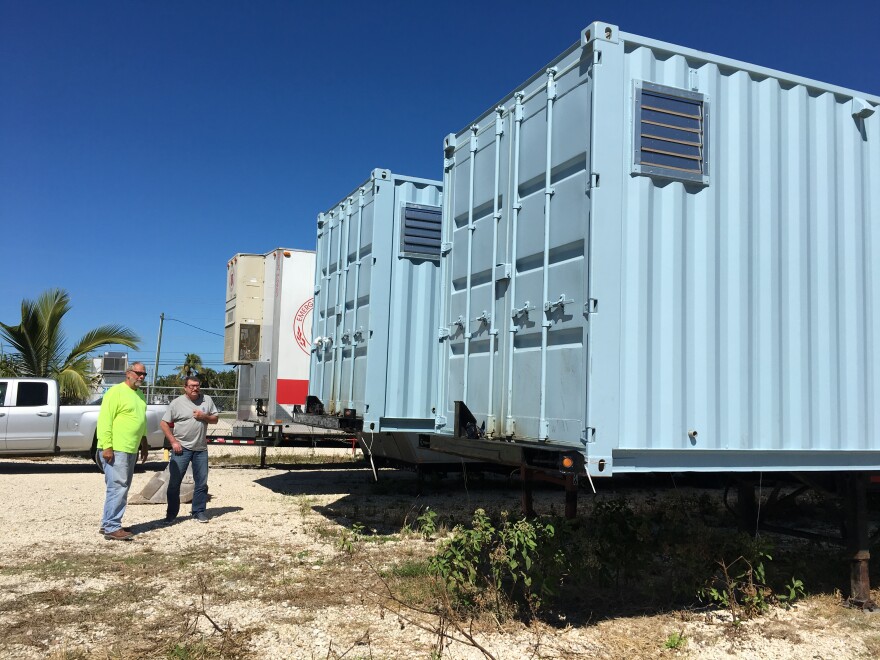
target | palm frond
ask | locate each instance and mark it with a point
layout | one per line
(38, 344)
(75, 382)
(103, 336)
(51, 307)
(25, 339)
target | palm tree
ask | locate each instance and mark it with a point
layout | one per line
(192, 364)
(39, 345)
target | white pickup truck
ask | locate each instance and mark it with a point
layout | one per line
(32, 423)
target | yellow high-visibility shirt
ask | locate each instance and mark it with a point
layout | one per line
(122, 421)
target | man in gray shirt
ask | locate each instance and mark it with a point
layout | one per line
(185, 425)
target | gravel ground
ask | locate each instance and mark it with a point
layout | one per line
(270, 577)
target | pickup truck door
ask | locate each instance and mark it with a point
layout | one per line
(30, 417)
(4, 412)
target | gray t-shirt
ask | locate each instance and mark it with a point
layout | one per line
(189, 431)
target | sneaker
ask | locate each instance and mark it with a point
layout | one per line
(118, 535)
(102, 532)
(200, 517)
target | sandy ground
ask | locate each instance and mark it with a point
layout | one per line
(272, 572)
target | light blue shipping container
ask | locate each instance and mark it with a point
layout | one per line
(658, 259)
(375, 315)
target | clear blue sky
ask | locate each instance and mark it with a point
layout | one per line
(143, 143)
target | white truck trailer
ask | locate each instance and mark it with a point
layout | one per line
(268, 336)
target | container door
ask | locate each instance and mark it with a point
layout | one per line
(324, 327)
(476, 271)
(31, 419)
(516, 279)
(357, 300)
(549, 292)
(342, 303)
(350, 335)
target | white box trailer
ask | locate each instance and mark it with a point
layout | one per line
(277, 288)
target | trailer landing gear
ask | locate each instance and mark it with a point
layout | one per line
(529, 476)
(857, 541)
(852, 488)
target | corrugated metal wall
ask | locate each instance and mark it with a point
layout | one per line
(748, 307)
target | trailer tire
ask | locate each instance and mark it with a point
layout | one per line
(93, 454)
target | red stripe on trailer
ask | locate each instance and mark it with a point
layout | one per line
(291, 391)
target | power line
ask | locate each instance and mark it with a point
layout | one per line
(217, 334)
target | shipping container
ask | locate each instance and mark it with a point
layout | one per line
(271, 339)
(374, 359)
(657, 259)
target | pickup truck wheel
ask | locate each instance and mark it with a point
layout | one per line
(93, 454)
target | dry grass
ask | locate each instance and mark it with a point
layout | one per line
(217, 598)
(246, 458)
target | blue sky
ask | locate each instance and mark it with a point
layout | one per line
(143, 143)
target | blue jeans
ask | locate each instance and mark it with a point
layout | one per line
(117, 477)
(177, 465)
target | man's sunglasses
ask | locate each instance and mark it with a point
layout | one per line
(142, 374)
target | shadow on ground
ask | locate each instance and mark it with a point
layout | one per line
(84, 466)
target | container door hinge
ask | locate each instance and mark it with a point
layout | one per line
(593, 181)
(445, 248)
(442, 333)
(439, 422)
(588, 435)
(591, 306)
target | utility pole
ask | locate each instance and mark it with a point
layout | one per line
(158, 350)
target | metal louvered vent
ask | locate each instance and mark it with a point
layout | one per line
(420, 231)
(670, 133)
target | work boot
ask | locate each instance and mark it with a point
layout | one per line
(118, 535)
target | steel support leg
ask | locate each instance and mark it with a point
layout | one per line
(571, 497)
(263, 456)
(528, 503)
(857, 537)
(746, 508)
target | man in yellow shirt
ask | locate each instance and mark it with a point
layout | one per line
(122, 422)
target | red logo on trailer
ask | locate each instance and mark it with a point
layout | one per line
(301, 330)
